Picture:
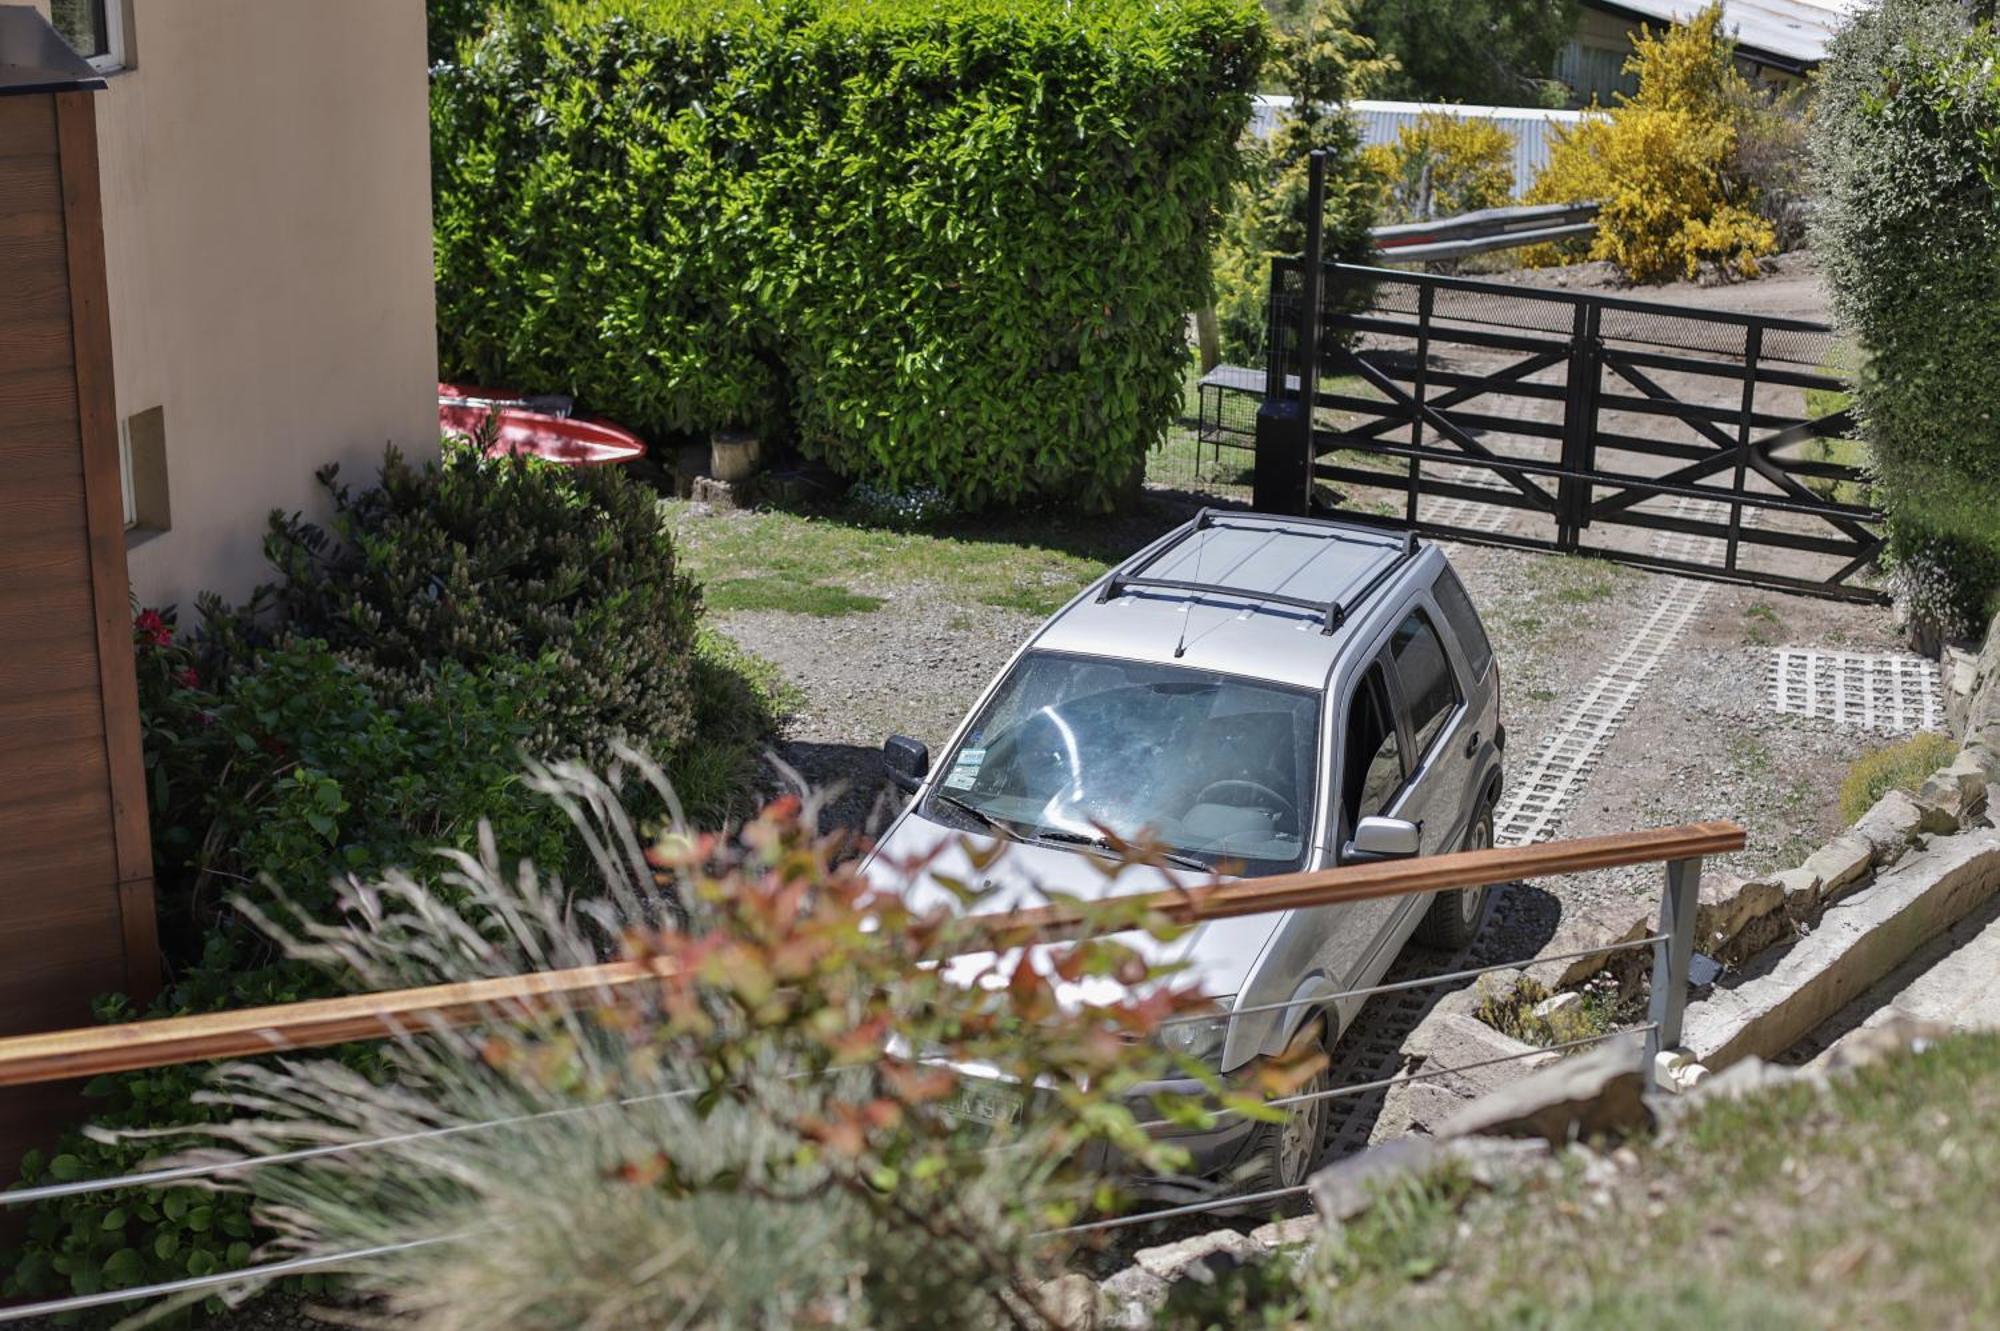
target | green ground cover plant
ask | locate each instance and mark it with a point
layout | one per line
(373, 709)
(1907, 167)
(1862, 1205)
(947, 245)
(1903, 765)
(817, 563)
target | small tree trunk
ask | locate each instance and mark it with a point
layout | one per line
(1208, 336)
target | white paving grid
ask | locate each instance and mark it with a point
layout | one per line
(1468, 514)
(1890, 692)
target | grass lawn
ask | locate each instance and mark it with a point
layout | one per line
(1870, 1205)
(772, 559)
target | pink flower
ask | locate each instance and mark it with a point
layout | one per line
(188, 679)
(153, 628)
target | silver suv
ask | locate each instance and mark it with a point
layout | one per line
(1267, 693)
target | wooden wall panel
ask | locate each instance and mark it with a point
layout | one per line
(76, 908)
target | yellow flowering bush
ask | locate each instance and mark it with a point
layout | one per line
(1442, 166)
(1663, 164)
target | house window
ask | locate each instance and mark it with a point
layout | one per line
(142, 474)
(94, 28)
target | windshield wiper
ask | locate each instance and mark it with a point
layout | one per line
(977, 814)
(1172, 857)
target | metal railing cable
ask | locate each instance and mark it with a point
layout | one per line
(1427, 1074)
(293, 1266)
(1422, 981)
(154, 1178)
(1171, 1212)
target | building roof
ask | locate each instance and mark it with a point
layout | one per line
(1791, 33)
(33, 58)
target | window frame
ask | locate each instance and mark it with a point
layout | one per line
(112, 59)
(1476, 670)
(1380, 665)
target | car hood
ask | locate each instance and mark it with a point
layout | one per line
(1216, 955)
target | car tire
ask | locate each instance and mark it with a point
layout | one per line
(1287, 1154)
(1453, 918)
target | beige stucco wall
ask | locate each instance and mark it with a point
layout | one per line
(267, 219)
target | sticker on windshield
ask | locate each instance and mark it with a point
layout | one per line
(965, 769)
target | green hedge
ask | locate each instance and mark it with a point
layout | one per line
(948, 244)
(1907, 164)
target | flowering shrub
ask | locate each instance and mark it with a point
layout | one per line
(762, 1097)
(1443, 165)
(1662, 165)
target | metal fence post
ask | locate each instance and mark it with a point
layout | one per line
(1672, 956)
(1282, 479)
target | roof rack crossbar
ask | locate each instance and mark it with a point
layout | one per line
(1330, 612)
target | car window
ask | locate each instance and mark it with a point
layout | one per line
(1429, 690)
(1371, 758)
(1464, 621)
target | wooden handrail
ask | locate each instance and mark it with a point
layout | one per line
(247, 1032)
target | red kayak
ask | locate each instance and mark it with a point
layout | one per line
(537, 426)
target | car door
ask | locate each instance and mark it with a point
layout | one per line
(1371, 777)
(1431, 707)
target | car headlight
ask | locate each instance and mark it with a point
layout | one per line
(1199, 1037)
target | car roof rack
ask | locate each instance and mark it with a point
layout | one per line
(1131, 575)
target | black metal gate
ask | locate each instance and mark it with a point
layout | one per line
(1698, 441)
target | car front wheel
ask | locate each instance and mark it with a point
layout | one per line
(1453, 917)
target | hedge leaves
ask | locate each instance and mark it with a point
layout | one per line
(949, 245)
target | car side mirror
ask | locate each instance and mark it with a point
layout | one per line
(1384, 839)
(907, 761)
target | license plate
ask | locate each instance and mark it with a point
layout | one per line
(993, 1105)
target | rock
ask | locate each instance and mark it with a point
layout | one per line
(1500, 988)
(1801, 892)
(1958, 677)
(1727, 906)
(1170, 1261)
(1890, 826)
(1075, 1301)
(1556, 1004)
(1597, 1093)
(1770, 1007)
(1867, 1045)
(1450, 1037)
(1958, 789)
(1624, 923)
(1344, 1190)
(1752, 1076)
(1287, 1233)
(717, 494)
(1676, 1070)
(1841, 865)
(1130, 1298)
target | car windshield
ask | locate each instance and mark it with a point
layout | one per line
(1215, 767)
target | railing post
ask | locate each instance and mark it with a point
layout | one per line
(1672, 956)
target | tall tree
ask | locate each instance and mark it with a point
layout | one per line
(1500, 52)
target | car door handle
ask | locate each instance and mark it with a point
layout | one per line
(1472, 745)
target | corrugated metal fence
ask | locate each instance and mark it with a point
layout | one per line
(1532, 127)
